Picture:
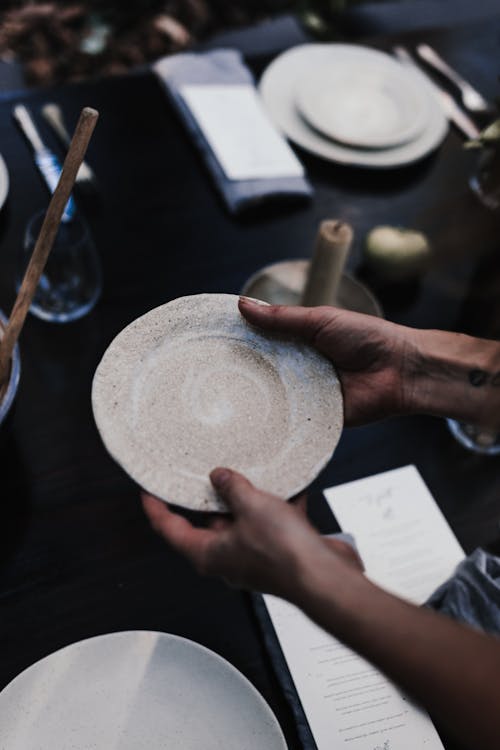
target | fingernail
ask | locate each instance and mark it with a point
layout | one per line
(220, 477)
(252, 301)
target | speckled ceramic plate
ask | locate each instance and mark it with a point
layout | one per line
(190, 386)
(135, 690)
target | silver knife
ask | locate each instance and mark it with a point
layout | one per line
(47, 162)
(449, 106)
(54, 116)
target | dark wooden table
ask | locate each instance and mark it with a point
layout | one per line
(77, 557)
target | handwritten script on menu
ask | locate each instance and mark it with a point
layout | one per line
(408, 548)
(403, 538)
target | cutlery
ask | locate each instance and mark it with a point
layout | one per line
(471, 98)
(55, 118)
(449, 106)
(47, 162)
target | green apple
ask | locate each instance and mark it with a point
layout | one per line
(395, 253)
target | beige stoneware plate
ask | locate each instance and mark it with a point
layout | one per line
(363, 100)
(278, 92)
(190, 386)
(135, 690)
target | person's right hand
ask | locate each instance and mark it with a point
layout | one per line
(373, 357)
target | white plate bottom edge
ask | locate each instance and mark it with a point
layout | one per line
(133, 690)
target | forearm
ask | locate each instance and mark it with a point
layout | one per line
(452, 670)
(455, 375)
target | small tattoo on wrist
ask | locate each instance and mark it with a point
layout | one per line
(478, 378)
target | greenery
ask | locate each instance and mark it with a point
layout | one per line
(489, 137)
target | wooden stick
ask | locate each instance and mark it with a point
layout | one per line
(45, 240)
(333, 243)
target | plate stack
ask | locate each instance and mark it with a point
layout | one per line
(353, 105)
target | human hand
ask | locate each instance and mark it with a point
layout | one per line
(267, 544)
(387, 369)
(373, 357)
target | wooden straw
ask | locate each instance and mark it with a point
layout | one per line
(45, 240)
(333, 243)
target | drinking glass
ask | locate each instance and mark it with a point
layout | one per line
(485, 182)
(72, 281)
(15, 369)
(475, 438)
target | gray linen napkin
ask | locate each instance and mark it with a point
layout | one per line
(222, 67)
(472, 594)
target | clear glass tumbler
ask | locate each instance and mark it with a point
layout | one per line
(485, 182)
(72, 280)
(475, 438)
(9, 393)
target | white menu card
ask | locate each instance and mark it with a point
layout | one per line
(408, 548)
(403, 538)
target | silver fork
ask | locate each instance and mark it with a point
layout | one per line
(471, 98)
(448, 104)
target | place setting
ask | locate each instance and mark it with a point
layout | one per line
(119, 634)
(353, 105)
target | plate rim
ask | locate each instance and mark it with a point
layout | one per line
(4, 182)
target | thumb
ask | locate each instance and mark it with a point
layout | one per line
(304, 322)
(236, 490)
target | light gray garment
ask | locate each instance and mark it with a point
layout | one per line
(472, 594)
(223, 67)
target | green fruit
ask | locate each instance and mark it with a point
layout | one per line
(396, 254)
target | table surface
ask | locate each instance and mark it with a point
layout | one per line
(77, 557)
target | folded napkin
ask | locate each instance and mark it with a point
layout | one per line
(215, 96)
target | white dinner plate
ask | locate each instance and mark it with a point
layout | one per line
(4, 182)
(190, 386)
(278, 91)
(363, 100)
(135, 690)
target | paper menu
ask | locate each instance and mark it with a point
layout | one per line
(403, 538)
(348, 702)
(408, 548)
(244, 141)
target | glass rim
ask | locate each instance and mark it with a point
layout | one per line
(30, 236)
(15, 373)
(458, 433)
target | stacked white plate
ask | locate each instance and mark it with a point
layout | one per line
(353, 105)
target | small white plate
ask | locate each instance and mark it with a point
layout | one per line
(368, 101)
(190, 386)
(135, 690)
(278, 90)
(4, 182)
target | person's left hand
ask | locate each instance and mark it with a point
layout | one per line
(267, 544)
